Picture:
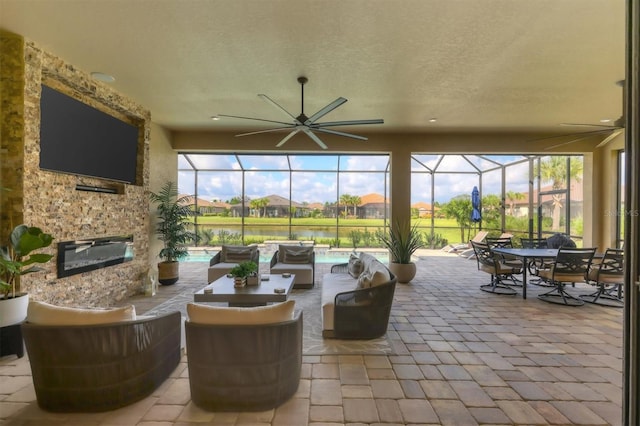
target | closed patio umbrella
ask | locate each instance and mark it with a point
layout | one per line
(476, 216)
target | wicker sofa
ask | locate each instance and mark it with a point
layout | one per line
(101, 367)
(357, 298)
(243, 359)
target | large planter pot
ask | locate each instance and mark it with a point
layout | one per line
(404, 272)
(168, 272)
(14, 309)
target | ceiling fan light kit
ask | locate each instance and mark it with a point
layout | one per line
(307, 125)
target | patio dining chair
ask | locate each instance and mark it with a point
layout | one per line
(570, 267)
(505, 241)
(607, 274)
(493, 264)
(534, 265)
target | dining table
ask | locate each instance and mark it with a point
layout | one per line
(527, 255)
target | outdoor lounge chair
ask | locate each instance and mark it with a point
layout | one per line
(295, 259)
(455, 248)
(229, 257)
(101, 367)
(243, 359)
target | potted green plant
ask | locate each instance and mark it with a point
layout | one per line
(402, 240)
(16, 259)
(173, 230)
(242, 271)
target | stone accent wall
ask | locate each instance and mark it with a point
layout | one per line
(50, 201)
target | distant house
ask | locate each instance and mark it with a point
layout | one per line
(520, 208)
(372, 206)
(425, 210)
(202, 207)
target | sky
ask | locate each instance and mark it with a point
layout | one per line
(314, 178)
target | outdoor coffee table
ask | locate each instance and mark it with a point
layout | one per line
(223, 290)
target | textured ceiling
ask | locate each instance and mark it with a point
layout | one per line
(490, 64)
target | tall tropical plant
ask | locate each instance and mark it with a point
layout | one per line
(173, 226)
(402, 240)
(459, 208)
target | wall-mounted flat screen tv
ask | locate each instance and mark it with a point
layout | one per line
(79, 139)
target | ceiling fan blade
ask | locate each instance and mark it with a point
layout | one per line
(277, 105)
(565, 143)
(608, 126)
(289, 136)
(609, 138)
(585, 135)
(348, 123)
(277, 129)
(315, 138)
(335, 132)
(251, 118)
(591, 132)
(326, 110)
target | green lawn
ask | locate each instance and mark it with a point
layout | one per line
(445, 228)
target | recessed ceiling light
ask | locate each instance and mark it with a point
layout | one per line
(100, 76)
(215, 118)
(433, 120)
(605, 120)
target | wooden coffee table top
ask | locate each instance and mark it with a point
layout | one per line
(249, 295)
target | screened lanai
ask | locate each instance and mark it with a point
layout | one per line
(342, 200)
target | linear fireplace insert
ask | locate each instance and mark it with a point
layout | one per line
(75, 257)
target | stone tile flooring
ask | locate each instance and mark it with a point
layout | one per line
(461, 357)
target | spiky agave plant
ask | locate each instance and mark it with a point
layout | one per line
(402, 240)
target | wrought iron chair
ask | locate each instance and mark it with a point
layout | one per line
(505, 242)
(570, 266)
(608, 276)
(493, 264)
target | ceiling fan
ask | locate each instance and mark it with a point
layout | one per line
(613, 129)
(304, 124)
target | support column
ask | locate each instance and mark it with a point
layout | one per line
(400, 192)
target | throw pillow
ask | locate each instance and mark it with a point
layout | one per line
(223, 315)
(237, 254)
(355, 266)
(364, 281)
(47, 314)
(294, 254)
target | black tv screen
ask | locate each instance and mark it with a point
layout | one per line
(79, 139)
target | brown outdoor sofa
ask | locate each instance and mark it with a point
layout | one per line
(244, 367)
(101, 367)
(356, 304)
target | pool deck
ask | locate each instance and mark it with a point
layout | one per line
(461, 357)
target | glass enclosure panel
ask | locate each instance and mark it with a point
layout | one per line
(342, 200)
(492, 205)
(314, 162)
(516, 198)
(621, 212)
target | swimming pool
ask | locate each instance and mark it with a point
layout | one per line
(322, 255)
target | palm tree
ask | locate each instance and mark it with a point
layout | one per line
(512, 197)
(345, 199)
(259, 203)
(459, 208)
(355, 202)
(554, 170)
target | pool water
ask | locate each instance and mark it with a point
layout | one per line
(333, 257)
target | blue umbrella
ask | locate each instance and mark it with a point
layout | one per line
(475, 204)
